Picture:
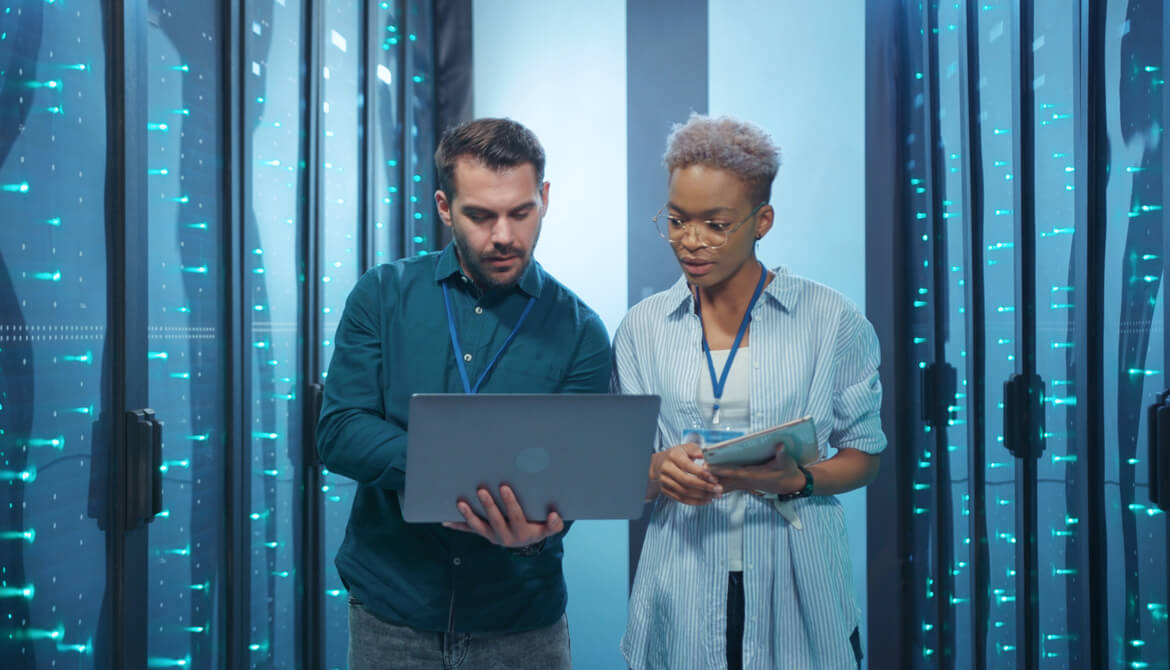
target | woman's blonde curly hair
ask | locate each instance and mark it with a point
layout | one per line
(739, 147)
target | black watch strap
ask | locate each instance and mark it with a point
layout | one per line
(802, 492)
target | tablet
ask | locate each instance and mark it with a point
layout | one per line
(799, 438)
(586, 455)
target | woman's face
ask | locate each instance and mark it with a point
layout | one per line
(713, 223)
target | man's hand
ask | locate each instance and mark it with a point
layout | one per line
(508, 528)
(776, 475)
(679, 477)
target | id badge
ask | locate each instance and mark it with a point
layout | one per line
(711, 434)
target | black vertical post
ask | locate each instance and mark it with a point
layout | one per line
(1088, 605)
(663, 86)
(367, 203)
(234, 605)
(894, 624)
(1165, 156)
(1028, 446)
(311, 588)
(405, 118)
(973, 198)
(940, 372)
(127, 242)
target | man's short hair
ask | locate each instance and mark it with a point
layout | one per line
(497, 143)
(739, 147)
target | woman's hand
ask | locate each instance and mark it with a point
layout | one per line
(675, 473)
(778, 474)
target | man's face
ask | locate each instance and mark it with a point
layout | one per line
(495, 220)
(700, 195)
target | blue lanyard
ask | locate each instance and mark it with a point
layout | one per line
(717, 383)
(467, 387)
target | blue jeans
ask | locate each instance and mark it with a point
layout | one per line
(374, 643)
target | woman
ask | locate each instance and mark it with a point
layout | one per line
(744, 566)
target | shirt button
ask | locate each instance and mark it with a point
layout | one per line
(467, 357)
(457, 561)
(479, 310)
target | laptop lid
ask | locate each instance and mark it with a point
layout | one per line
(587, 455)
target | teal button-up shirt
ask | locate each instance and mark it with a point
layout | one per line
(392, 342)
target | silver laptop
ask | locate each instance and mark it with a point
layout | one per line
(585, 455)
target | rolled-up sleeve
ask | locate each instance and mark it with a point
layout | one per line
(589, 370)
(857, 393)
(354, 438)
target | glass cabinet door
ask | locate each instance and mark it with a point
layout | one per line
(1061, 579)
(1134, 330)
(55, 371)
(274, 89)
(951, 297)
(340, 263)
(387, 166)
(996, 33)
(186, 274)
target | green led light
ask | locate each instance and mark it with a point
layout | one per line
(266, 436)
(57, 443)
(195, 270)
(29, 475)
(160, 662)
(54, 276)
(26, 592)
(29, 535)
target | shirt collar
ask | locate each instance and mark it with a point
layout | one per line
(531, 280)
(784, 291)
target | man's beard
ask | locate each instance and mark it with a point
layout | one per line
(473, 264)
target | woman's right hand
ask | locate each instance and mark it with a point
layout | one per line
(675, 473)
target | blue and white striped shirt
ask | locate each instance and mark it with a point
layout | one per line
(812, 353)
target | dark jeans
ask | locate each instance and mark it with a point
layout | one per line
(735, 610)
(374, 643)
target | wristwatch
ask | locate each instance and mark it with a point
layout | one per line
(802, 492)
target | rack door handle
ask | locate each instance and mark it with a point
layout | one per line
(1159, 459)
(143, 467)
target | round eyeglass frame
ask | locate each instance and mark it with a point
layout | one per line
(661, 220)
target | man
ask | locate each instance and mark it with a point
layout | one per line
(744, 566)
(487, 593)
